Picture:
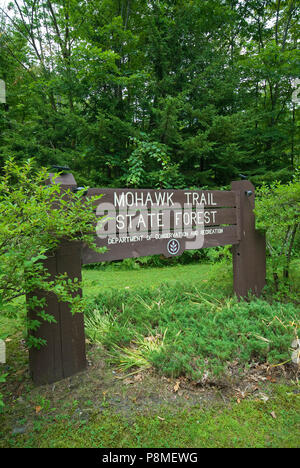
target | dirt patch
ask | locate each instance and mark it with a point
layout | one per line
(100, 387)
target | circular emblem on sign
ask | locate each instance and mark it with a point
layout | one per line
(173, 246)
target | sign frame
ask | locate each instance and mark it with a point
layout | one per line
(64, 355)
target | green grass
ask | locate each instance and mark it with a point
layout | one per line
(248, 424)
(196, 327)
(204, 327)
(95, 281)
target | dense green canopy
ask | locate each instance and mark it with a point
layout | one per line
(152, 93)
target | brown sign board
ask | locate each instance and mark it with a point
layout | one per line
(136, 223)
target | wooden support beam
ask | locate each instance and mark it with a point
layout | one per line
(249, 255)
(64, 354)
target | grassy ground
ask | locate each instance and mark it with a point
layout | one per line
(101, 408)
(247, 424)
(116, 278)
(177, 400)
(189, 326)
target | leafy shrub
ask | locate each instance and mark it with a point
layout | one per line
(34, 217)
(2, 380)
(205, 329)
(278, 214)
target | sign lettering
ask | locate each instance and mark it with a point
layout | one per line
(141, 222)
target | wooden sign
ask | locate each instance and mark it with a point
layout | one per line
(135, 223)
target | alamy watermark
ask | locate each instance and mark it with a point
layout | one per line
(2, 92)
(136, 222)
(296, 351)
(296, 92)
(2, 352)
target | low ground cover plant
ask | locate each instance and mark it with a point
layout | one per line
(192, 329)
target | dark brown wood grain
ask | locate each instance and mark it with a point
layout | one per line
(64, 353)
(249, 256)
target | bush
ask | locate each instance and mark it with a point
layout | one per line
(278, 214)
(2, 380)
(202, 330)
(34, 217)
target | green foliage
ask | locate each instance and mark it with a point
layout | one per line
(2, 380)
(278, 214)
(143, 161)
(34, 219)
(202, 331)
(156, 94)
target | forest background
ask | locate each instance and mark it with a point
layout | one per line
(159, 94)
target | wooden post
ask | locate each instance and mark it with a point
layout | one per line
(64, 353)
(249, 256)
